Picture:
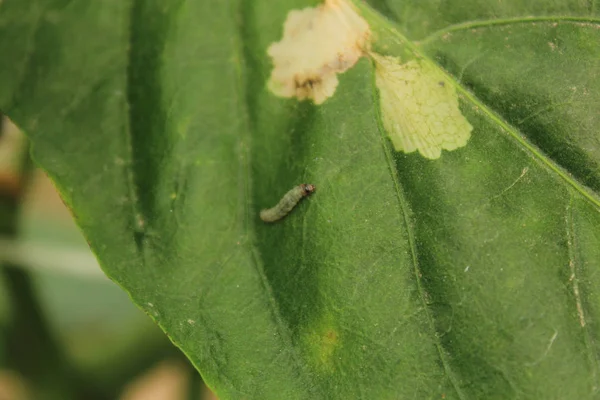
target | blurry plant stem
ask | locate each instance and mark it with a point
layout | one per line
(31, 348)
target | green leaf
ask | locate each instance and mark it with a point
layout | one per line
(473, 275)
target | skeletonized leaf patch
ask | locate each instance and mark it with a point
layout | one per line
(317, 44)
(419, 107)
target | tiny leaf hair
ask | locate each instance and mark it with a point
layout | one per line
(287, 203)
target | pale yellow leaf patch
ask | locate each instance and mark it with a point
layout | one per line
(318, 43)
(419, 107)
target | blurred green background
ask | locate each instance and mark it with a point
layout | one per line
(61, 319)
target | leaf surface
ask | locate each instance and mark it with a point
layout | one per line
(469, 276)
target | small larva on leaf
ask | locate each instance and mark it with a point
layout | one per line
(287, 202)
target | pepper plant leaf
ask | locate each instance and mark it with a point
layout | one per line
(471, 275)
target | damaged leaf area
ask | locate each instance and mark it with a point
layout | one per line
(318, 43)
(419, 107)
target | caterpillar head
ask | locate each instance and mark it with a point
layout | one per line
(307, 188)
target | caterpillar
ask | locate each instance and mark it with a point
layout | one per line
(287, 202)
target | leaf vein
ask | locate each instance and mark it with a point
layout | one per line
(405, 216)
(465, 26)
(574, 264)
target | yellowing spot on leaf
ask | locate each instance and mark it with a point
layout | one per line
(323, 345)
(317, 44)
(328, 343)
(419, 107)
(321, 340)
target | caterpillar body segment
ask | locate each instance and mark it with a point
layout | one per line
(287, 203)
